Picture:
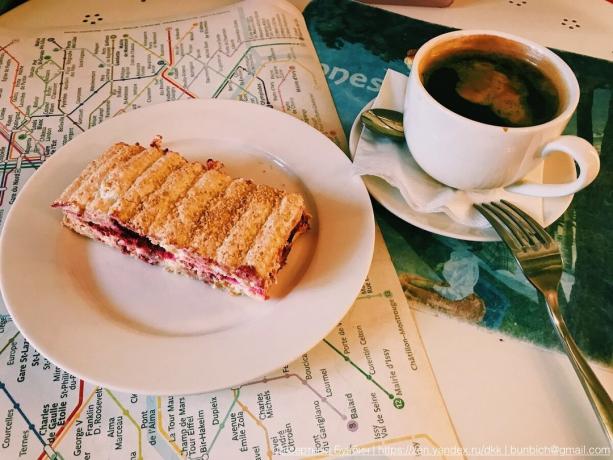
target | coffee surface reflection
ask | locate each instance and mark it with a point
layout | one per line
(492, 88)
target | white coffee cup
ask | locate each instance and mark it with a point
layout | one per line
(470, 155)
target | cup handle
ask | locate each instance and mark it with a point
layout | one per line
(581, 151)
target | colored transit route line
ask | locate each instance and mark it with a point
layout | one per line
(171, 59)
(126, 412)
(111, 90)
(52, 454)
(8, 343)
(306, 384)
(257, 421)
(260, 424)
(163, 432)
(69, 424)
(70, 420)
(48, 450)
(237, 393)
(231, 73)
(397, 402)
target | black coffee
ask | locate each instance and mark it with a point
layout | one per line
(492, 88)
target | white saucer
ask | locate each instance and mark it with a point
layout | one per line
(558, 168)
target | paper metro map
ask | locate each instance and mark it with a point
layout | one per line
(367, 387)
(58, 84)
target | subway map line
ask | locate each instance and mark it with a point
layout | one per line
(260, 425)
(222, 425)
(69, 421)
(8, 343)
(31, 427)
(126, 412)
(305, 383)
(398, 402)
(163, 432)
(59, 439)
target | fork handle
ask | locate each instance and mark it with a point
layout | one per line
(600, 400)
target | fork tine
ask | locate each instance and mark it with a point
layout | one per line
(527, 231)
(538, 229)
(507, 236)
(519, 233)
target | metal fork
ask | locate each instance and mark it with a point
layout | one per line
(539, 257)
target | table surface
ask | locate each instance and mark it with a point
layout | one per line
(498, 390)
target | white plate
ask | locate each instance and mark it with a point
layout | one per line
(558, 168)
(120, 323)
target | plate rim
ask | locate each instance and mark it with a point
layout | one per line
(367, 239)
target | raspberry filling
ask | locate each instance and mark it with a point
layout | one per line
(132, 243)
(129, 242)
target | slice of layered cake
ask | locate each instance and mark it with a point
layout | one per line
(187, 216)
